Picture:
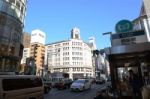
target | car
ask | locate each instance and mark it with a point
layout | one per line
(55, 81)
(21, 87)
(80, 85)
(100, 80)
(64, 84)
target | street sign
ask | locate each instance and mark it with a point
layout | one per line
(123, 26)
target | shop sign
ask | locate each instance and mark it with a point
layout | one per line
(128, 38)
(124, 26)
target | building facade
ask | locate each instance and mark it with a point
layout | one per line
(72, 56)
(26, 50)
(37, 36)
(101, 63)
(12, 13)
(37, 49)
(26, 40)
(143, 21)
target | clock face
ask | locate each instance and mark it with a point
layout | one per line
(123, 26)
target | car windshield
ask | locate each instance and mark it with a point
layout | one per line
(79, 81)
(99, 78)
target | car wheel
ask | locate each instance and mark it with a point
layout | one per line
(90, 87)
(83, 88)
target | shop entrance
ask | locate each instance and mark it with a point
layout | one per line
(135, 58)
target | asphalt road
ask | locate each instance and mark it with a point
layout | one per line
(67, 94)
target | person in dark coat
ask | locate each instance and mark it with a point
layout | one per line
(101, 95)
(136, 85)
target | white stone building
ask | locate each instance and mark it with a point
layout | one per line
(72, 56)
(37, 49)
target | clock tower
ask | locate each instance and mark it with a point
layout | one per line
(75, 33)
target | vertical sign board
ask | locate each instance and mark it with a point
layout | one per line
(128, 38)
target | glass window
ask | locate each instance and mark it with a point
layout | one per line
(17, 15)
(20, 83)
(22, 10)
(12, 1)
(1, 3)
(18, 5)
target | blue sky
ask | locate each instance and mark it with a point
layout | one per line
(93, 17)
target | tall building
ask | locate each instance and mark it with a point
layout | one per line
(12, 13)
(37, 48)
(26, 50)
(72, 56)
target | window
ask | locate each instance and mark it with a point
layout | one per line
(2, 20)
(21, 83)
(74, 69)
(22, 10)
(18, 5)
(12, 1)
(82, 69)
(1, 3)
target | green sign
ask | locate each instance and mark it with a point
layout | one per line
(123, 26)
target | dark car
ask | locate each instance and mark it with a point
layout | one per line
(100, 80)
(63, 84)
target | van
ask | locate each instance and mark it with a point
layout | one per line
(21, 87)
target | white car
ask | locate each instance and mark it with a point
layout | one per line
(80, 85)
